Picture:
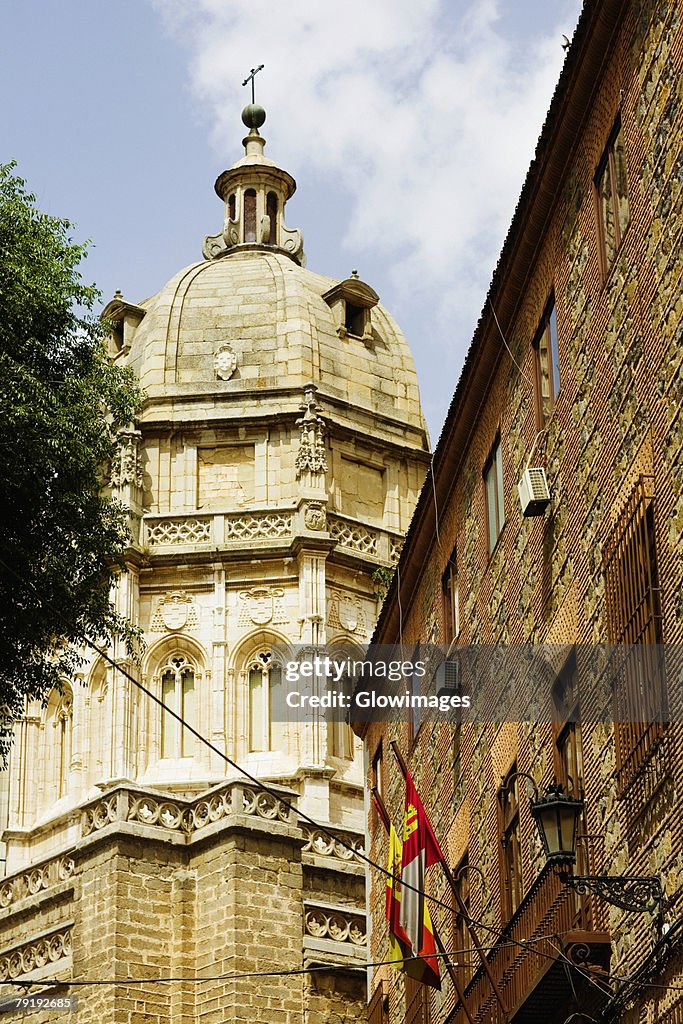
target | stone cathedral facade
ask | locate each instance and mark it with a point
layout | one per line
(273, 469)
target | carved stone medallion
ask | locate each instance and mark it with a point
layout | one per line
(314, 516)
(225, 362)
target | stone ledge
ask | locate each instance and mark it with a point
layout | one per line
(341, 867)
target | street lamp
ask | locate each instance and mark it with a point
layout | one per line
(557, 815)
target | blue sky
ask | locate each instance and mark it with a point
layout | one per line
(408, 128)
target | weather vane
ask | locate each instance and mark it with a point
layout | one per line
(251, 77)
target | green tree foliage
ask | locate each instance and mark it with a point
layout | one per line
(62, 542)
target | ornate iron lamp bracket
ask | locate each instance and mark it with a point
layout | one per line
(636, 893)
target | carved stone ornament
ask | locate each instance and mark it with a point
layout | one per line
(225, 362)
(262, 605)
(175, 611)
(314, 516)
(311, 454)
(346, 612)
(126, 465)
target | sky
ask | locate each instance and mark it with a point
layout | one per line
(409, 128)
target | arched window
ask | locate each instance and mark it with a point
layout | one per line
(231, 206)
(271, 210)
(178, 695)
(250, 215)
(266, 703)
(58, 736)
(99, 732)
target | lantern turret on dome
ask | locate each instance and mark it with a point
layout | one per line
(255, 191)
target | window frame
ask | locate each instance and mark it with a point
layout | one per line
(512, 887)
(461, 933)
(273, 734)
(545, 331)
(494, 459)
(172, 733)
(636, 632)
(608, 165)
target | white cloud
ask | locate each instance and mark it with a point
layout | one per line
(427, 116)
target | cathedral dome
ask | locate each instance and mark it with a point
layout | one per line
(253, 318)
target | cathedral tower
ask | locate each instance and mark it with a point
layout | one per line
(272, 472)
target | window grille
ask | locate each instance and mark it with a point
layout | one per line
(635, 628)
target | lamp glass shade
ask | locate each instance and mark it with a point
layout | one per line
(557, 818)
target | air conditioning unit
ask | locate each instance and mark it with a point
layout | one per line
(447, 679)
(533, 491)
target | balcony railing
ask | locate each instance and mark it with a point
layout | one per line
(540, 947)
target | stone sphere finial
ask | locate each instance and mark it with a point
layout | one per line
(253, 116)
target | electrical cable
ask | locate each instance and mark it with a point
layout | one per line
(239, 975)
(500, 331)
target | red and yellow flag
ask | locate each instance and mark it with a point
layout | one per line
(419, 851)
(399, 945)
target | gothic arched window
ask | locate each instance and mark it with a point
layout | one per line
(99, 730)
(178, 695)
(266, 701)
(58, 735)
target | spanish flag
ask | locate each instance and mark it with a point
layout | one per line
(420, 850)
(399, 945)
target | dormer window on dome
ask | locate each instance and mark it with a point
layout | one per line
(351, 302)
(255, 192)
(123, 318)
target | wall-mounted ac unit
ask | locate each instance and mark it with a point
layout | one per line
(447, 679)
(533, 491)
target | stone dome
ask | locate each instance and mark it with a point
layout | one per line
(282, 327)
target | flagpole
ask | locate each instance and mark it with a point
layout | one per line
(459, 900)
(384, 815)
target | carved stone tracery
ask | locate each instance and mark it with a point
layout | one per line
(336, 925)
(36, 954)
(183, 816)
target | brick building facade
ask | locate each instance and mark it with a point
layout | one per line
(588, 384)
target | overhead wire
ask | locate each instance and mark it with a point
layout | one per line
(239, 975)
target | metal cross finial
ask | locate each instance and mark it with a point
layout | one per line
(250, 78)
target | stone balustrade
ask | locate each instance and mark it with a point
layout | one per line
(187, 816)
(35, 879)
(37, 954)
(220, 529)
(335, 924)
(335, 843)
